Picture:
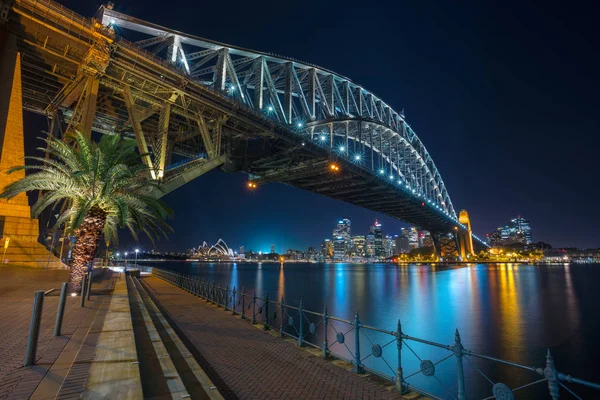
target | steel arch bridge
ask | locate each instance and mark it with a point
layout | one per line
(193, 104)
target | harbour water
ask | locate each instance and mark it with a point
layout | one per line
(509, 311)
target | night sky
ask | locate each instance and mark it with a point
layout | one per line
(504, 95)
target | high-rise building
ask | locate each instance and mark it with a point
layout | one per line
(402, 241)
(359, 246)
(370, 243)
(389, 246)
(310, 254)
(425, 239)
(413, 238)
(272, 249)
(517, 231)
(343, 229)
(327, 249)
(522, 226)
(377, 233)
(242, 250)
(339, 248)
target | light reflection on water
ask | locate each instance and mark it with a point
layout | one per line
(510, 311)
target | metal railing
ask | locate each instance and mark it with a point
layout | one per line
(348, 340)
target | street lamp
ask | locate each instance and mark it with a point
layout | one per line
(136, 253)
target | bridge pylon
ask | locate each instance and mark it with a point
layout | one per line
(18, 230)
(465, 237)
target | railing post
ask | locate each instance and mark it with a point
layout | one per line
(460, 375)
(83, 286)
(219, 292)
(233, 303)
(226, 295)
(325, 344)
(301, 326)
(400, 387)
(61, 308)
(281, 318)
(266, 326)
(551, 375)
(213, 292)
(357, 365)
(253, 320)
(243, 303)
(34, 327)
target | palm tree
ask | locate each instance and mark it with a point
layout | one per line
(102, 187)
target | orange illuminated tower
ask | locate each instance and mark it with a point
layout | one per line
(15, 215)
(465, 239)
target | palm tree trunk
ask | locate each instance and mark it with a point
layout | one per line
(87, 239)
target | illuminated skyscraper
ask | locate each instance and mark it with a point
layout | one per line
(359, 246)
(413, 238)
(343, 229)
(339, 248)
(327, 249)
(377, 233)
(272, 249)
(517, 231)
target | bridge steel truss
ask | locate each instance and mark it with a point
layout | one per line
(194, 104)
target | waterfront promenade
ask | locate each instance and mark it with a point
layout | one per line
(53, 374)
(245, 362)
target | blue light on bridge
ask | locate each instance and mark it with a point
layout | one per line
(381, 171)
(299, 124)
(232, 88)
(270, 108)
(342, 149)
(322, 138)
(357, 157)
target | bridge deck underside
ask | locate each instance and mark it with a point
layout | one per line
(307, 169)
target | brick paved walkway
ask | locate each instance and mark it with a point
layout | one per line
(17, 286)
(247, 363)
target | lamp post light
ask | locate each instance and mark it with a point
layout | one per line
(136, 254)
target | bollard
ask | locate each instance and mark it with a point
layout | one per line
(325, 344)
(34, 327)
(233, 303)
(226, 295)
(300, 326)
(266, 326)
(243, 303)
(212, 293)
(281, 319)
(460, 375)
(83, 286)
(253, 320)
(400, 387)
(89, 286)
(61, 308)
(357, 365)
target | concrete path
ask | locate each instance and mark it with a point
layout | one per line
(114, 371)
(247, 363)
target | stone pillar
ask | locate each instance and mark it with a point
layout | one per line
(15, 214)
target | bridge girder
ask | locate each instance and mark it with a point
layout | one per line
(190, 99)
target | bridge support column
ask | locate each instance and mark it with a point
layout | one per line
(16, 223)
